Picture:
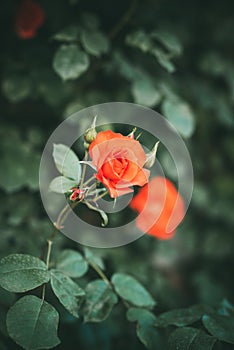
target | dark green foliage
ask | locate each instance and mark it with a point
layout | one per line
(20, 273)
(67, 291)
(190, 339)
(71, 263)
(99, 302)
(33, 323)
(175, 57)
(132, 291)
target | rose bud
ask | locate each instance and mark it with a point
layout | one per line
(90, 134)
(76, 194)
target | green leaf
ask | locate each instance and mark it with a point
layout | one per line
(61, 184)
(125, 68)
(94, 42)
(188, 338)
(169, 41)
(20, 164)
(226, 308)
(149, 336)
(71, 263)
(70, 33)
(67, 291)
(142, 316)
(145, 93)
(140, 40)
(70, 62)
(20, 273)
(67, 162)
(103, 215)
(93, 259)
(131, 290)
(32, 323)
(163, 60)
(182, 317)
(224, 111)
(144, 42)
(180, 115)
(146, 331)
(99, 302)
(16, 87)
(220, 327)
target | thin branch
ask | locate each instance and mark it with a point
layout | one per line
(47, 264)
(88, 181)
(58, 222)
(100, 273)
(48, 252)
(106, 279)
(124, 19)
(99, 197)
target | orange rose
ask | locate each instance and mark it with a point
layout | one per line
(29, 18)
(119, 161)
(160, 206)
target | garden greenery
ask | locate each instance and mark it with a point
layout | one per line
(58, 58)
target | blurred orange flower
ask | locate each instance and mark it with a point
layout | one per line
(119, 161)
(160, 208)
(29, 18)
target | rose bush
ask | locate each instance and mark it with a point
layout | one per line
(119, 161)
(145, 43)
(160, 206)
(29, 18)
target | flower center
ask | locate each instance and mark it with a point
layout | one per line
(114, 169)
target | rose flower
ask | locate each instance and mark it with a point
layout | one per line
(29, 18)
(119, 161)
(160, 208)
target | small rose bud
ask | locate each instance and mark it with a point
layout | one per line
(150, 157)
(90, 134)
(77, 194)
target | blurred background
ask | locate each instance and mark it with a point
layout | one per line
(173, 56)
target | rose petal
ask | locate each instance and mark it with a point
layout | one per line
(160, 206)
(132, 149)
(29, 18)
(113, 188)
(141, 177)
(119, 161)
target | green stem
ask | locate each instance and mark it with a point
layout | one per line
(106, 279)
(62, 217)
(48, 252)
(43, 292)
(59, 220)
(124, 19)
(100, 273)
(99, 197)
(50, 242)
(88, 181)
(91, 188)
(58, 223)
(72, 206)
(84, 169)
